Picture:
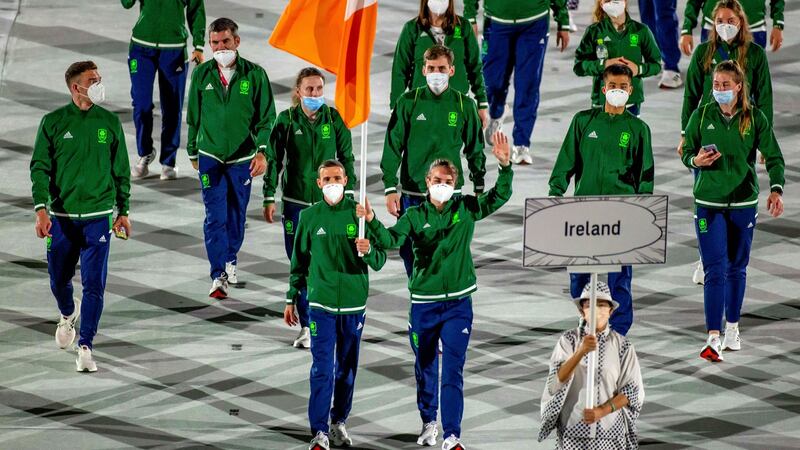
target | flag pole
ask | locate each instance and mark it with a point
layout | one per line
(592, 366)
(362, 179)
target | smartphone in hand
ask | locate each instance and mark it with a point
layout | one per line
(711, 148)
(121, 233)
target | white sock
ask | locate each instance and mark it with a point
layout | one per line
(732, 325)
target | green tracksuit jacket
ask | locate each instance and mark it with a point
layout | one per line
(699, 82)
(229, 125)
(423, 128)
(305, 145)
(326, 262)
(635, 43)
(162, 23)
(443, 266)
(409, 60)
(519, 11)
(731, 182)
(79, 166)
(606, 154)
(754, 9)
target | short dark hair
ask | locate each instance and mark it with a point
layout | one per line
(327, 164)
(437, 51)
(222, 24)
(444, 164)
(618, 69)
(76, 69)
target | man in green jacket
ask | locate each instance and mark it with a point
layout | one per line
(441, 285)
(304, 136)
(230, 115)
(430, 123)
(79, 171)
(327, 262)
(450, 30)
(158, 46)
(617, 40)
(608, 152)
(515, 36)
(756, 11)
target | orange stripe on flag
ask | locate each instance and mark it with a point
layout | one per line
(309, 29)
(338, 36)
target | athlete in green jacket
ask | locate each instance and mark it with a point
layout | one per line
(437, 23)
(441, 285)
(608, 152)
(79, 171)
(720, 143)
(617, 40)
(430, 123)
(230, 117)
(738, 46)
(756, 19)
(304, 136)
(158, 47)
(331, 263)
(325, 260)
(162, 23)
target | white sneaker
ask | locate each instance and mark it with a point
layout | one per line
(65, 330)
(320, 442)
(303, 339)
(670, 80)
(219, 288)
(699, 275)
(169, 173)
(230, 270)
(85, 362)
(453, 443)
(142, 169)
(494, 125)
(572, 27)
(339, 435)
(428, 435)
(521, 155)
(732, 340)
(712, 351)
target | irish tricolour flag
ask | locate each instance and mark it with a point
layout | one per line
(338, 36)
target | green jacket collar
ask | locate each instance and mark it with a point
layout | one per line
(341, 206)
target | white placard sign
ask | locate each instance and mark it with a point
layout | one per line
(588, 231)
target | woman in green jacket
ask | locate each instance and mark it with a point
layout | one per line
(756, 11)
(304, 136)
(721, 142)
(615, 38)
(437, 23)
(730, 39)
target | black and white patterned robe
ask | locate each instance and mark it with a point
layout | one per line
(562, 404)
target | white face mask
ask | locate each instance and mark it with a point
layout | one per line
(437, 82)
(727, 31)
(224, 57)
(333, 192)
(617, 97)
(441, 192)
(438, 7)
(614, 8)
(96, 93)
